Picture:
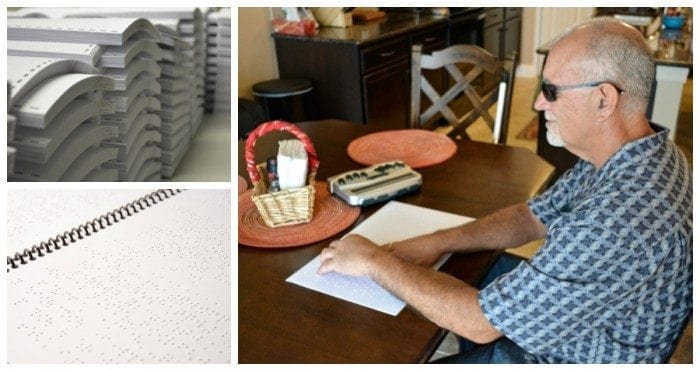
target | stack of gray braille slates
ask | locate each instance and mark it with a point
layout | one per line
(222, 90)
(183, 44)
(57, 105)
(220, 32)
(188, 53)
(179, 86)
(195, 33)
(10, 133)
(129, 56)
(189, 25)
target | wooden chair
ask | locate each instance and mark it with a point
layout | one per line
(683, 347)
(479, 81)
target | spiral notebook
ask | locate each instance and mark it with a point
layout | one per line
(119, 276)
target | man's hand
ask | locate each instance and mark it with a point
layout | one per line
(352, 255)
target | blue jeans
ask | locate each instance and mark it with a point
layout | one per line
(502, 350)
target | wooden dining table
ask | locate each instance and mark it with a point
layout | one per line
(279, 322)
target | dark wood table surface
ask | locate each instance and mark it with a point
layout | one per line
(279, 322)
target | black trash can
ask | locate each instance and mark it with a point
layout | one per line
(285, 99)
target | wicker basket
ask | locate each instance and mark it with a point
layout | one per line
(288, 206)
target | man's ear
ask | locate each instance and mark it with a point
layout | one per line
(608, 101)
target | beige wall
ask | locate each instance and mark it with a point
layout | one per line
(256, 51)
(541, 25)
(527, 42)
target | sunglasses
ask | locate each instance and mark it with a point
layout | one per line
(550, 90)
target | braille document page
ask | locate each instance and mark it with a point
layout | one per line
(146, 279)
(102, 31)
(86, 53)
(395, 221)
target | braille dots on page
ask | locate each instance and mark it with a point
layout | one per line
(153, 288)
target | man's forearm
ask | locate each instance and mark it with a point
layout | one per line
(505, 228)
(443, 299)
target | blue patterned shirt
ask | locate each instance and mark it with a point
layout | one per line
(613, 281)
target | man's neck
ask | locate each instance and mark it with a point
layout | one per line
(617, 134)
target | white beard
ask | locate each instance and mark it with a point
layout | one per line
(553, 136)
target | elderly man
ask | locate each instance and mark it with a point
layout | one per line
(613, 280)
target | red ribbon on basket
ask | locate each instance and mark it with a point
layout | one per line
(277, 125)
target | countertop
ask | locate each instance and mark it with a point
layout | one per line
(359, 33)
(672, 47)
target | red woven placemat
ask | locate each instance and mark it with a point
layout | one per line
(416, 148)
(331, 216)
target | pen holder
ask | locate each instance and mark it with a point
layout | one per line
(287, 206)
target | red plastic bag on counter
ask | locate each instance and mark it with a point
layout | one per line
(306, 27)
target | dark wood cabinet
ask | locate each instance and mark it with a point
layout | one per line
(511, 31)
(337, 89)
(493, 22)
(385, 83)
(502, 31)
(434, 38)
(384, 53)
(387, 95)
(362, 73)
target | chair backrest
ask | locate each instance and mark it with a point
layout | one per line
(469, 68)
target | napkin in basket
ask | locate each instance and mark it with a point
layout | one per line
(292, 164)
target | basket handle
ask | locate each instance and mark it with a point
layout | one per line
(268, 127)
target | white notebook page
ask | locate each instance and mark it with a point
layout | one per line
(393, 222)
(153, 288)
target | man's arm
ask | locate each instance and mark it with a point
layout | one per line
(443, 299)
(508, 227)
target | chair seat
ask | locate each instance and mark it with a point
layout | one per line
(683, 350)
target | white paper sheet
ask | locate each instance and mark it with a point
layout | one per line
(153, 288)
(34, 215)
(393, 222)
(102, 31)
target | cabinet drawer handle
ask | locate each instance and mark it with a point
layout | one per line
(387, 54)
(430, 39)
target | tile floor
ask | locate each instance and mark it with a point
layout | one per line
(522, 114)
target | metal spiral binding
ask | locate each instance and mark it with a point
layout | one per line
(88, 228)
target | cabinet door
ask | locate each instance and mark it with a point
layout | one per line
(493, 16)
(513, 12)
(387, 96)
(334, 70)
(492, 39)
(511, 36)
